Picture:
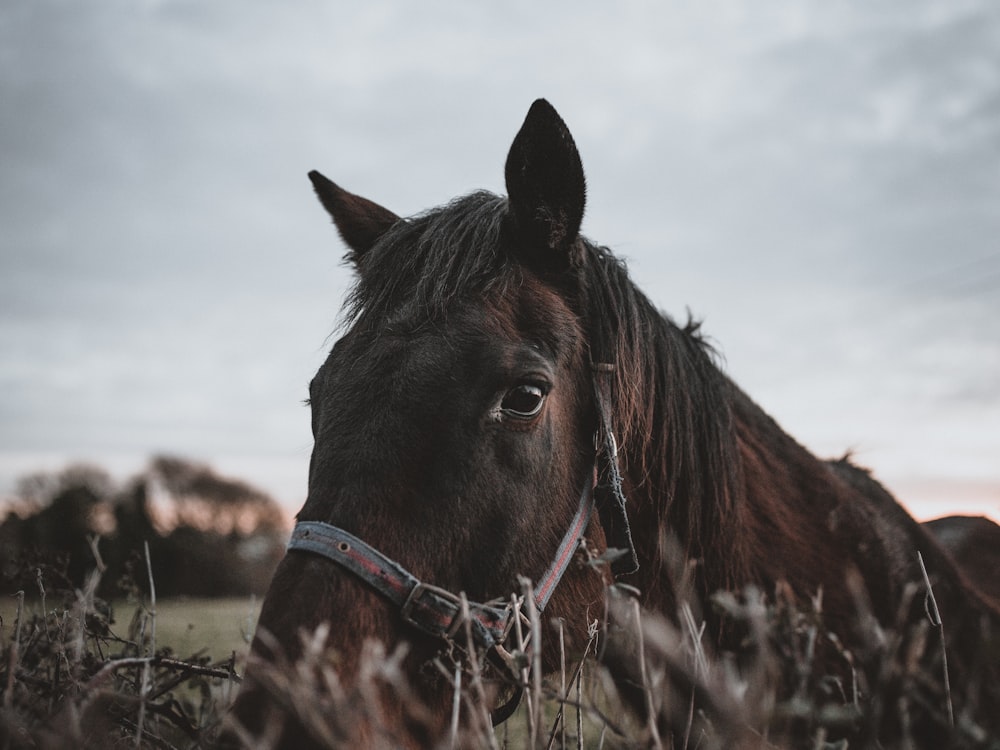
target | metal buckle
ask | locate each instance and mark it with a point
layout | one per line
(414, 597)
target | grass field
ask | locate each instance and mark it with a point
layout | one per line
(215, 626)
(212, 627)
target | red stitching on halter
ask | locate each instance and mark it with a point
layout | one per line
(547, 583)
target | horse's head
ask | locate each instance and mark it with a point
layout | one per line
(455, 469)
(454, 426)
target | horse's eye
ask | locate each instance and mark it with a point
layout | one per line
(523, 401)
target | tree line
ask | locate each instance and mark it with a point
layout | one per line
(207, 535)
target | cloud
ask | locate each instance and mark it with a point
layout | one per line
(820, 184)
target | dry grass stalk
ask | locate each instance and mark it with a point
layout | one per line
(70, 681)
(68, 677)
(930, 604)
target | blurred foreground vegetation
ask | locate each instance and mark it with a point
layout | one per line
(106, 636)
(80, 672)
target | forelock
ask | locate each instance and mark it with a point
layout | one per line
(427, 263)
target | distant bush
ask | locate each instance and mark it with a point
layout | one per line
(209, 535)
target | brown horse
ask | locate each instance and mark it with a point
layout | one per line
(500, 389)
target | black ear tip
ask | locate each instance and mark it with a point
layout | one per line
(318, 180)
(541, 109)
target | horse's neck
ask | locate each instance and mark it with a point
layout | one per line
(788, 495)
(713, 478)
(760, 511)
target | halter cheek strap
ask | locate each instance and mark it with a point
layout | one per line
(429, 608)
(610, 496)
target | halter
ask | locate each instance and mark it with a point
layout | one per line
(437, 611)
(428, 608)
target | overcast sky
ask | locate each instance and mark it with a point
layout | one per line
(820, 182)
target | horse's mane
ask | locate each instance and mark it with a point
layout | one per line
(671, 403)
(674, 418)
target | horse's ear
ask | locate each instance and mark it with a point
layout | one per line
(360, 222)
(546, 187)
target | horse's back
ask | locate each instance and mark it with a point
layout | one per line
(962, 551)
(974, 544)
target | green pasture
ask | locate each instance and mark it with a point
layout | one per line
(215, 626)
(210, 627)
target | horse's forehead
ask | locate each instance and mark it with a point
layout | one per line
(528, 310)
